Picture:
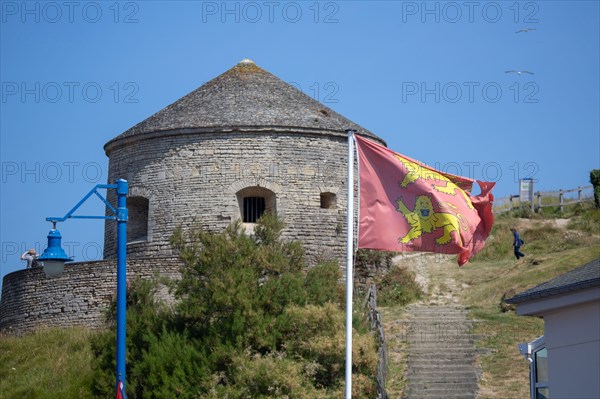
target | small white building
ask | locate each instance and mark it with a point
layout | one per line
(565, 361)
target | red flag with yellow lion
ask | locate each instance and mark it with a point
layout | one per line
(408, 206)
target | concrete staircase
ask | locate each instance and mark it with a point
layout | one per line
(441, 353)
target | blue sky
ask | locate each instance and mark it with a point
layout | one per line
(428, 77)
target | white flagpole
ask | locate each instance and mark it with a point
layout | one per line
(349, 262)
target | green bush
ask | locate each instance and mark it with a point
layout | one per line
(248, 323)
(398, 287)
(595, 180)
(369, 257)
(523, 211)
(322, 284)
(267, 376)
(587, 221)
(172, 366)
(236, 285)
(317, 334)
(146, 317)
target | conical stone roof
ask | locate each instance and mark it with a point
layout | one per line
(246, 97)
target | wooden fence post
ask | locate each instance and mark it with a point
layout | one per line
(552, 194)
(560, 199)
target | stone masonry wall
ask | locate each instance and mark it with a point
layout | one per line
(78, 297)
(192, 180)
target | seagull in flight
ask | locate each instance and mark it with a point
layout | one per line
(524, 30)
(520, 72)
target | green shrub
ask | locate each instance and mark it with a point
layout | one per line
(171, 367)
(248, 323)
(322, 284)
(267, 376)
(145, 317)
(595, 180)
(369, 257)
(587, 221)
(317, 334)
(235, 286)
(523, 211)
(398, 287)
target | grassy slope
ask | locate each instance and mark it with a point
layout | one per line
(396, 346)
(552, 246)
(505, 370)
(56, 363)
(46, 365)
(550, 251)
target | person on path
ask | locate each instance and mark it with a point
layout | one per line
(517, 242)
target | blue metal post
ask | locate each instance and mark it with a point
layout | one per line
(121, 216)
(122, 190)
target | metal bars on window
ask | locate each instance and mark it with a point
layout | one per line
(254, 207)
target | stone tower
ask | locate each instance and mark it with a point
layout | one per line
(242, 144)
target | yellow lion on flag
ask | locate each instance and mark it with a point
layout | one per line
(424, 220)
(416, 171)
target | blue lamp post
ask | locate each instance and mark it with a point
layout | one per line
(54, 258)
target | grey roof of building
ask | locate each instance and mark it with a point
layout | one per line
(245, 96)
(586, 276)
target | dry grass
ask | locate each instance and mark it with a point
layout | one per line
(397, 355)
(46, 364)
(506, 372)
(552, 249)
